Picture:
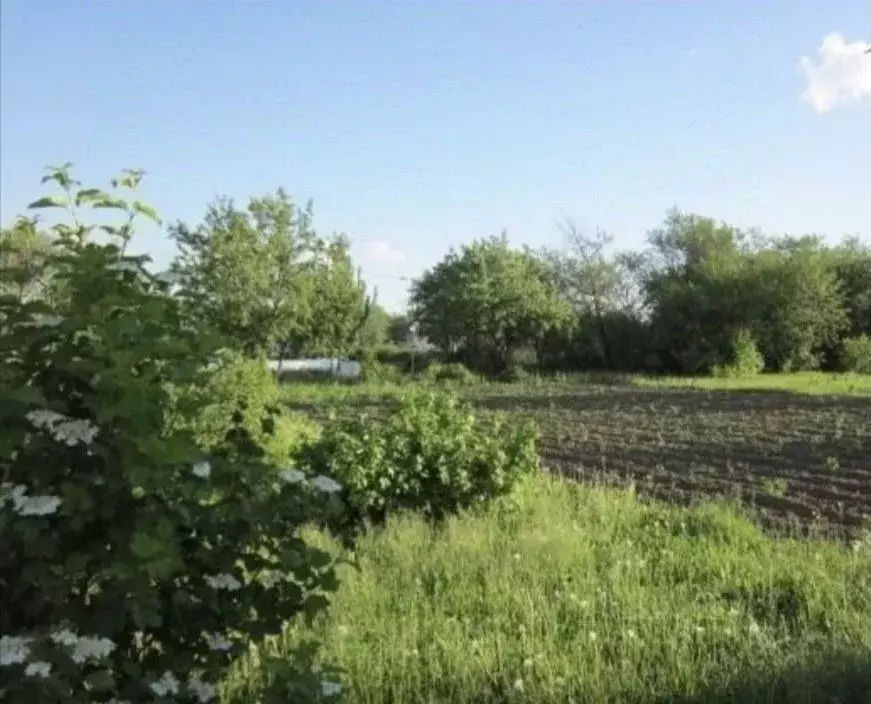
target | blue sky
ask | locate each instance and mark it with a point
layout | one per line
(418, 125)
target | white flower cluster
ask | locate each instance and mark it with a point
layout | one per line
(203, 470)
(38, 669)
(325, 484)
(28, 505)
(43, 321)
(291, 476)
(167, 684)
(66, 430)
(203, 691)
(322, 483)
(83, 648)
(14, 650)
(223, 581)
(216, 641)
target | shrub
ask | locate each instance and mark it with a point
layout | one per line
(856, 356)
(745, 359)
(433, 455)
(452, 372)
(233, 387)
(378, 372)
(135, 566)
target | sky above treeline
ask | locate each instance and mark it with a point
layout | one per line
(418, 126)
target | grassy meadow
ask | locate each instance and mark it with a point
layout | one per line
(565, 592)
(583, 591)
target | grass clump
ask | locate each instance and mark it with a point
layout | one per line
(570, 593)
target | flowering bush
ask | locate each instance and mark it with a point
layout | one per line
(134, 567)
(433, 455)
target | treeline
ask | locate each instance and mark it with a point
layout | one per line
(702, 296)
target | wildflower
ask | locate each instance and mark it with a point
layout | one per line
(330, 689)
(291, 476)
(592, 635)
(75, 431)
(527, 662)
(518, 684)
(38, 669)
(70, 431)
(202, 690)
(90, 648)
(167, 684)
(83, 648)
(14, 650)
(631, 634)
(223, 581)
(30, 505)
(65, 637)
(44, 419)
(203, 470)
(326, 484)
(216, 641)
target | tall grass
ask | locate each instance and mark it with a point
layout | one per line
(799, 382)
(815, 383)
(569, 593)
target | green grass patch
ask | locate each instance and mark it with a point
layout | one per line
(812, 383)
(572, 593)
(815, 383)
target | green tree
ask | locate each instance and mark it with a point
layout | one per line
(248, 273)
(338, 308)
(601, 290)
(400, 329)
(695, 290)
(486, 301)
(797, 306)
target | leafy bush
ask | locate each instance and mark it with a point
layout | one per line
(856, 356)
(452, 372)
(745, 359)
(135, 566)
(433, 455)
(233, 387)
(378, 372)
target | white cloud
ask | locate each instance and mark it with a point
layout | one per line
(840, 75)
(382, 252)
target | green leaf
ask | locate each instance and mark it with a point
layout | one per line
(146, 210)
(109, 202)
(90, 195)
(100, 681)
(50, 202)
